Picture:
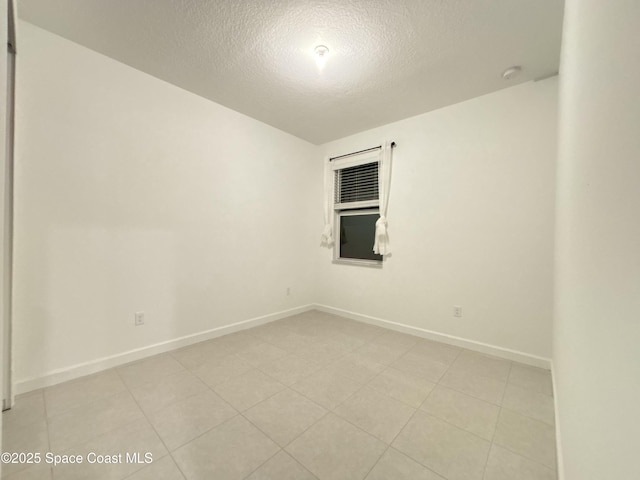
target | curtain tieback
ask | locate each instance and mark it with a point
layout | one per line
(381, 225)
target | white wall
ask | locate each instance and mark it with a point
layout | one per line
(597, 317)
(471, 219)
(134, 195)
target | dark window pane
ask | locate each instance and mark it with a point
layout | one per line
(357, 233)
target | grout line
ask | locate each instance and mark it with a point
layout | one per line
(177, 465)
(110, 430)
(83, 402)
(524, 456)
(204, 433)
(504, 390)
(386, 394)
(389, 445)
(267, 460)
(458, 427)
(377, 461)
(282, 448)
(144, 414)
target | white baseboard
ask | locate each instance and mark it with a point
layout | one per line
(87, 368)
(485, 348)
(559, 457)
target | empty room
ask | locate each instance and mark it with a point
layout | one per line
(320, 239)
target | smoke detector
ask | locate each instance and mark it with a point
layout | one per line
(511, 72)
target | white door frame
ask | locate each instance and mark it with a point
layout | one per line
(7, 211)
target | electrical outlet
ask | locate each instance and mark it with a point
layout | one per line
(457, 311)
(288, 291)
(139, 319)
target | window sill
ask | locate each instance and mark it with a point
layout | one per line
(358, 263)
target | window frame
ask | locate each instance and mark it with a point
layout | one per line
(367, 207)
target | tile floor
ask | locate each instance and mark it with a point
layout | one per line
(313, 396)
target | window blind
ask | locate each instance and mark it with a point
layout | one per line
(356, 184)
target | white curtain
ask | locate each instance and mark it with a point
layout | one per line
(327, 233)
(381, 245)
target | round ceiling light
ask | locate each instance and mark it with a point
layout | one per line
(321, 52)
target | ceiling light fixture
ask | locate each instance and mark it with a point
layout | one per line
(321, 52)
(511, 72)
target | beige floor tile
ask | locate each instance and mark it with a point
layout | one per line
(183, 421)
(301, 320)
(356, 367)
(290, 341)
(269, 331)
(333, 449)
(384, 354)
(376, 413)
(230, 451)
(248, 389)
(420, 367)
(396, 338)
(327, 388)
(149, 370)
(161, 469)
(309, 316)
(236, 342)
(527, 437)
(366, 332)
(344, 340)
(31, 437)
(438, 352)
(531, 378)
(485, 388)
(309, 326)
(396, 466)
(135, 439)
(222, 370)
(65, 396)
(402, 386)
(469, 413)
(167, 390)
(529, 403)
(88, 421)
(482, 365)
(262, 353)
(506, 465)
(195, 355)
(35, 472)
(285, 415)
(281, 467)
(447, 450)
(289, 370)
(322, 352)
(27, 408)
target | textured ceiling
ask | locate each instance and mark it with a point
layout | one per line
(388, 59)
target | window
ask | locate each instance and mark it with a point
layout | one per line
(356, 206)
(356, 231)
(356, 201)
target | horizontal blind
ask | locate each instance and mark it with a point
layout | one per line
(356, 184)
